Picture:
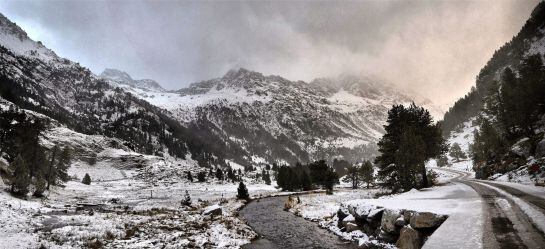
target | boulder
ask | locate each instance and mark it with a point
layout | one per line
(290, 203)
(351, 227)
(348, 219)
(522, 147)
(409, 239)
(375, 215)
(341, 214)
(387, 237)
(426, 220)
(400, 221)
(389, 218)
(407, 216)
(213, 210)
(540, 149)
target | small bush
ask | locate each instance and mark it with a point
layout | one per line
(242, 192)
(86, 179)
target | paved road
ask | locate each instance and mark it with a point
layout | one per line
(281, 229)
(505, 224)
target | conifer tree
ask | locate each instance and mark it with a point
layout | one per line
(86, 179)
(20, 180)
(456, 152)
(242, 192)
(219, 174)
(442, 161)
(189, 176)
(201, 176)
(411, 138)
(366, 172)
(353, 175)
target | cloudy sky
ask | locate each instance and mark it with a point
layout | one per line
(433, 47)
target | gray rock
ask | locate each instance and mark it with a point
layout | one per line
(341, 214)
(426, 220)
(348, 219)
(213, 210)
(407, 216)
(409, 239)
(387, 237)
(400, 222)
(522, 147)
(351, 227)
(389, 218)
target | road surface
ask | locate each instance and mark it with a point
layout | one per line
(505, 224)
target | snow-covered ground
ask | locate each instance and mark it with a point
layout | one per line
(124, 207)
(458, 201)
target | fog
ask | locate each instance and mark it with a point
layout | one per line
(433, 47)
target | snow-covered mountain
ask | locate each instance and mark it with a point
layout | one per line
(34, 78)
(115, 76)
(243, 117)
(269, 118)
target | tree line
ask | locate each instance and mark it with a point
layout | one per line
(512, 111)
(32, 167)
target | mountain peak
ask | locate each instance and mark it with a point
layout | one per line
(121, 77)
(241, 73)
(15, 39)
(116, 75)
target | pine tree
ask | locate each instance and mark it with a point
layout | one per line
(411, 138)
(219, 174)
(353, 176)
(61, 170)
(366, 172)
(267, 177)
(39, 187)
(86, 179)
(189, 176)
(456, 152)
(50, 172)
(20, 180)
(321, 174)
(201, 176)
(242, 192)
(231, 174)
(442, 161)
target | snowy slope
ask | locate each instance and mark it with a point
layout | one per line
(285, 121)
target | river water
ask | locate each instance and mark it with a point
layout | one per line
(281, 229)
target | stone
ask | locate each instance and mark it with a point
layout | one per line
(351, 227)
(426, 220)
(522, 147)
(387, 237)
(407, 216)
(409, 239)
(348, 219)
(389, 218)
(400, 222)
(213, 210)
(341, 214)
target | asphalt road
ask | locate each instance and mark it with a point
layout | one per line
(505, 224)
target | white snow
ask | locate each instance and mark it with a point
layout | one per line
(536, 217)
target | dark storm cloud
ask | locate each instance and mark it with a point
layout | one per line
(435, 47)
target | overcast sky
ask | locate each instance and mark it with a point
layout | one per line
(434, 47)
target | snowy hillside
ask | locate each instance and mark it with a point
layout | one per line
(275, 119)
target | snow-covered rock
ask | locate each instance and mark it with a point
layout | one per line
(426, 220)
(522, 147)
